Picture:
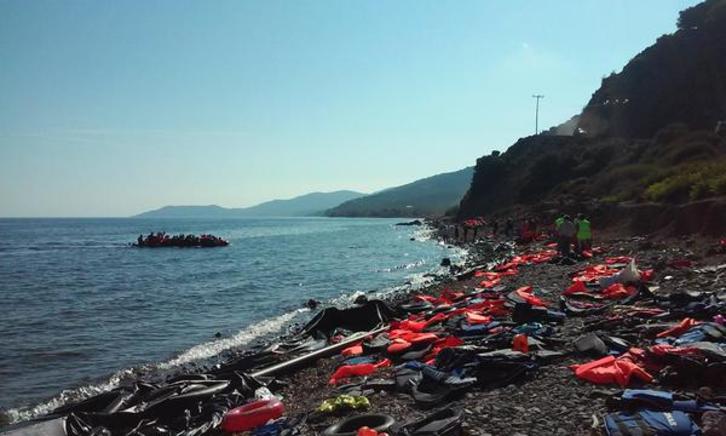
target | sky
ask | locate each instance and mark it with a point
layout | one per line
(112, 108)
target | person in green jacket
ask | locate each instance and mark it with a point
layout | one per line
(584, 234)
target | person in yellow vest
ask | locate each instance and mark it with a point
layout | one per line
(584, 234)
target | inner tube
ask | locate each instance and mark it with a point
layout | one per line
(252, 415)
(445, 422)
(350, 426)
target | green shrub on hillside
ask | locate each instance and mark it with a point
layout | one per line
(624, 183)
(693, 181)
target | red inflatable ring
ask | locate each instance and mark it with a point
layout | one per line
(252, 415)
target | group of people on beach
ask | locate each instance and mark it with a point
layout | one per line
(523, 229)
(573, 236)
(573, 233)
(162, 239)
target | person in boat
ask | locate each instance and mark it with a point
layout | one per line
(140, 240)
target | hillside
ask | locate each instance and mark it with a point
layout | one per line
(677, 165)
(313, 204)
(679, 79)
(647, 135)
(430, 196)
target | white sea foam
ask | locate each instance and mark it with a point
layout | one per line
(197, 352)
(67, 396)
(423, 233)
(410, 265)
(211, 349)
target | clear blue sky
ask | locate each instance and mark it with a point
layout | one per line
(109, 108)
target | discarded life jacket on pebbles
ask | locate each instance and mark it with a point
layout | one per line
(649, 422)
(678, 329)
(441, 344)
(525, 312)
(593, 273)
(419, 325)
(618, 291)
(377, 344)
(707, 331)
(416, 307)
(600, 344)
(477, 329)
(647, 399)
(359, 370)
(353, 350)
(694, 373)
(435, 386)
(475, 318)
(614, 291)
(581, 308)
(525, 294)
(613, 370)
(402, 340)
(495, 373)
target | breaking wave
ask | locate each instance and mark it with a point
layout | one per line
(68, 396)
(196, 353)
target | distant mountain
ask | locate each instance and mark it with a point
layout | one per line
(314, 204)
(430, 196)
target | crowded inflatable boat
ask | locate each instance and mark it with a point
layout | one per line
(161, 239)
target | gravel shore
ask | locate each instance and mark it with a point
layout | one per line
(550, 402)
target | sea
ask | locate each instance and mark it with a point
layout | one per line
(81, 309)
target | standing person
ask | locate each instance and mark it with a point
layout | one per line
(556, 232)
(495, 227)
(509, 227)
(576, 221)
(567, 233)
(558, 223)
(584, 234)
(524, 232)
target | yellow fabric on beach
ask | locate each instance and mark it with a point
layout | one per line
(344, 402)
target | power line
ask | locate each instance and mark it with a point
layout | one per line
(538, 97)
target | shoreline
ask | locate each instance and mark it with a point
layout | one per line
(517, 408)
(178, 364)
(552, 401)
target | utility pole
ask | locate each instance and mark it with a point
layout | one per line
(538, 97)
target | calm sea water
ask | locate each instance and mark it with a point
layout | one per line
(80, 306)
